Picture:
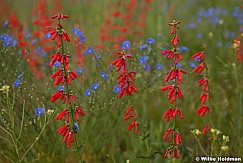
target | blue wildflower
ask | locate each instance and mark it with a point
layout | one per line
(28, 36)
(126, 45)
(38, 111)
(4, 37)
(87, 92)
(117, 89)
(76, 31)
(89, 51)
(17, 83)
(150, 40)
(14, 43)
(143, 59)
(199, 35)
(182, 48)
(82, 38)
(159, 67)
(146, 67)
(5, 23)
(192, 65)
(57, 63)
(79, 70)
(20, 76)
(76, 127)
(95, 86)
(48, 35)
(60, 88)
(179, 65)
(103, 75)
(34, 41)
(159, 36)
(143, 47)
(197, 59)
(219, 44)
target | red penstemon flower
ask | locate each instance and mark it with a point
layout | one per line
(204, 97)
(126, 82)
(174, 92)
(64, 76)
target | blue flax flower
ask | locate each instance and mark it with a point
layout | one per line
(117, 89)
(150, 40)
(95, 86)
(126, 45)
(38, 111)
(87, 92)
(103, 75)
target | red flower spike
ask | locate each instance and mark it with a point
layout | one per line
(55, 58)
(61, 114)
(205, 129)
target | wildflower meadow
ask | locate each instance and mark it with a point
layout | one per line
(130, 81)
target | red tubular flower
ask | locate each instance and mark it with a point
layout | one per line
(79, 111)
(175, 40)
(136, 127)
(178, 138)
(199, 55)
(166, 152)
(130, 127)
(200, 68)
(204, 97)
(65, 137)
(178, 153)
(168, 131)
(55, 57)
(60, 16)
(70, 139)
(129, 109)
(61, 114)
(202, 110)
(68, 117)
(63, 129)
(57, 73)
(172, 153)
(166, 52)
(205, 129)
(73, 75)
(56, 95)
(177, 57)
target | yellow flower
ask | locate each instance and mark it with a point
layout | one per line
(5, 88)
